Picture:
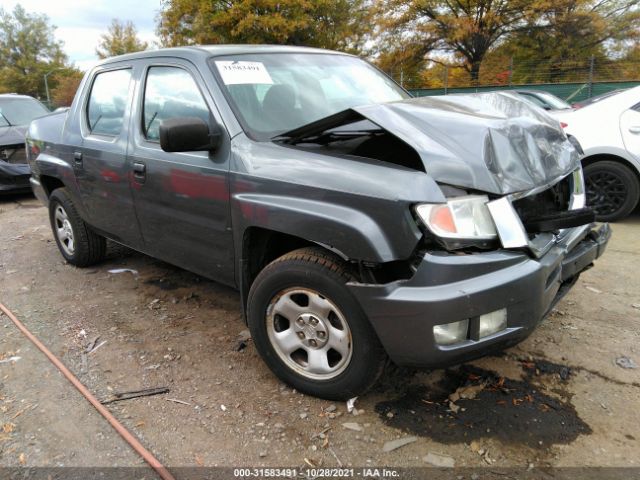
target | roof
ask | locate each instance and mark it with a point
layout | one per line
(206, 51)
(15, 95)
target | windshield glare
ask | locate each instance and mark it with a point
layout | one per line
(20, 111)
(274, 93)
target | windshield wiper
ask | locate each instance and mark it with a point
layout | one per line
(9, 124)
(329, 136)
(318, 127)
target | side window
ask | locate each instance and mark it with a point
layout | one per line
(170, 92)
(108, 101)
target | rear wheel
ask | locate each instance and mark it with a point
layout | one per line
(78, 244)
(310, 330)
(612, 190)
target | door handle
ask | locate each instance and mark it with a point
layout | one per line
(139, 171)
(77, 157)
(635, 129)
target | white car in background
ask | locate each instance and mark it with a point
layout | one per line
(609, 133)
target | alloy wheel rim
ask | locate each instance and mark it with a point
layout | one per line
(64, 231)
(309, 333)
(606, 192)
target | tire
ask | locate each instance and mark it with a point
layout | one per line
(613, 190)
(329, 316)
(78, 244)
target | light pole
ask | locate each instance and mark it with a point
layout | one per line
(46, 84)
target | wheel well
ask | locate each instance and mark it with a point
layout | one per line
(50, 184)
(260, 247)
(611, 158)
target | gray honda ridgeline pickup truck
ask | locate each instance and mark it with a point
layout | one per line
(359, 224)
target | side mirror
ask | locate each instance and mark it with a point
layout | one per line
(188, 134)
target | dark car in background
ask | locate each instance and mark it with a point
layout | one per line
(545, 100)
(16, 112)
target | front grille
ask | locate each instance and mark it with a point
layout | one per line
(13, 154)
(552, 200)
(555, 208)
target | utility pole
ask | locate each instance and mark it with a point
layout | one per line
(591, 64)
(46, 84)
(446, 79)
(510, 71)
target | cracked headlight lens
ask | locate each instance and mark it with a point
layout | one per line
(461, 218)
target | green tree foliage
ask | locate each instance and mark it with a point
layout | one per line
(561, 36)
(121, 38)
(67, 83)
(28, 50)
(466, 28)
(334, 24)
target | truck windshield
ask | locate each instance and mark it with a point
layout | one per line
(273, 93)
(20, 111)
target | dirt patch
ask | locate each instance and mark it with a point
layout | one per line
(163, 284)
(513, 411)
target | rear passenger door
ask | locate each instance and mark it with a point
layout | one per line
(181, 199)
(100, 163)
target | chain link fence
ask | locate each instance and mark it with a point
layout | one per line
(570, 80)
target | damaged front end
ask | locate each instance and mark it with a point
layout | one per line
(509, 239)
(508, 172)
(14, 169)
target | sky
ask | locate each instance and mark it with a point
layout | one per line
(81, 22)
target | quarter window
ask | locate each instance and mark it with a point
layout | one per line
(108, 102)
(170, 92)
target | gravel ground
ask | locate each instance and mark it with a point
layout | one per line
(558, 399)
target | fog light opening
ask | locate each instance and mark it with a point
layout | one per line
(493, 322)
(450, 333)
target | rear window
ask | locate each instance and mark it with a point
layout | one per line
(107, 102)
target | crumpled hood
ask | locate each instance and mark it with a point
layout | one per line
(493, 142)
(13, 134)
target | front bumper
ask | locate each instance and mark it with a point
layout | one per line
(14, 178)
(448, 288)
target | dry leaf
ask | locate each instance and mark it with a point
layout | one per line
(140, 424)
(199, 460)
(8, 427)
(18, 413)
(22, 459)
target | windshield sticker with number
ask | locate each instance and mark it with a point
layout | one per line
(238, 73)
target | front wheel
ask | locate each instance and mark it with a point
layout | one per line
(612, 190)
(310, 330)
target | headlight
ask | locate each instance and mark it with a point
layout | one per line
(464, 220)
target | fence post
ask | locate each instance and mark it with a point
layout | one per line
(446, 78)
(591, 64)
(402, 77)
(510, 70)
